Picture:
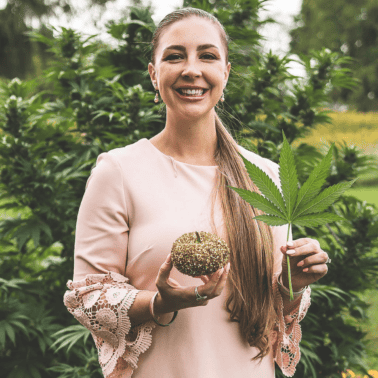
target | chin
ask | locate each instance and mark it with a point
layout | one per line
(190, 111)
(192, 115)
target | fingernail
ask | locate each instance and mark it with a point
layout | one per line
(305, 269)
(228, 267)
(221, 272)
(168, 260)
(290, 244)
(300, 263)
(290, 252)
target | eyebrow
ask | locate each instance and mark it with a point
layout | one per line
(182, 48)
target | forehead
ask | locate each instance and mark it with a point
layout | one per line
(191, 31)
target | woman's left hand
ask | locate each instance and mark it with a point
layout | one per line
(307, 263)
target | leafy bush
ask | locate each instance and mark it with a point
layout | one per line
(94, 98)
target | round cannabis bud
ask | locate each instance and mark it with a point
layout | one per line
(199, 253)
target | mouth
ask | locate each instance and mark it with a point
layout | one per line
(191, 92)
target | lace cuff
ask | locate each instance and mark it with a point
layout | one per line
(100, 302)
(288, 331)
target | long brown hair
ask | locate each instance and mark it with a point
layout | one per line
(251, 301)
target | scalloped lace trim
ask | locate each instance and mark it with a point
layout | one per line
(288, 330)
(100, 302)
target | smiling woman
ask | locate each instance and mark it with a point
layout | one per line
(190, 69)
(141, 198)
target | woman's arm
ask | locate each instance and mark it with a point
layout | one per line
(100, 297)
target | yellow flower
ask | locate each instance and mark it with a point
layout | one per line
(350, 374)
(374, 373)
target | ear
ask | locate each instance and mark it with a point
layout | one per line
(227, 74)
(152, 72)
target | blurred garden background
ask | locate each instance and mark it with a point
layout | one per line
(66, 96)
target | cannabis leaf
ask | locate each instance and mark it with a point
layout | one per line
(294, 205)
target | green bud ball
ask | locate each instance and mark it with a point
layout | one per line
(199, 253)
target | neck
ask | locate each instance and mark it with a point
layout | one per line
(188, 139)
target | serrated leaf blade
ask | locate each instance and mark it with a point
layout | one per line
(258, 201)
(271, 220)
(326, 198)
(265, 184)
(315, 181)
(319, 219)
(288, 176)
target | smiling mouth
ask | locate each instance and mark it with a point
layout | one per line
(191, 92)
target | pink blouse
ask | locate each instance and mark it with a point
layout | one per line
(137, 202)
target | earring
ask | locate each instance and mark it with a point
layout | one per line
(222, 98)
(156, 97)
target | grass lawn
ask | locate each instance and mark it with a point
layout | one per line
(368, 194)
(353, 128)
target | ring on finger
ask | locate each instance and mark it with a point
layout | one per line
(198, 296)
(328, 261)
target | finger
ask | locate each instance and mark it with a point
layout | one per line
(205, 279)
(309, 248)
(321, 269)
(212, 276)
(299, 242)
(216, 276)
(222, 281)
(212, 283)
(319, 258)
(173, 282)
(164, 271)
(209, 287)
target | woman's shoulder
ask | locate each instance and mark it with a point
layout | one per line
(129, 150)
(109, 163)
(267, 165)
(126, 157)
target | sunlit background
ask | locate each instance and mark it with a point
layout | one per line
(91, 19)
(57, 114)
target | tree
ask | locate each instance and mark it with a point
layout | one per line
(346, 26)
(18, 54)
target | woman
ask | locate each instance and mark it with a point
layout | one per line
(139, 199)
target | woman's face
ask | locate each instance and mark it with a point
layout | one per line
(190, 54)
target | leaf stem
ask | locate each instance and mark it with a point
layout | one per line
(288, 266)
(198, 238)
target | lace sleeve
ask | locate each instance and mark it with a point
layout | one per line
(288, 332)
(100, 302)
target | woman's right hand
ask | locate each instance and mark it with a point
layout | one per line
(173, 297)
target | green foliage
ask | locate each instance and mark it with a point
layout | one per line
(69, 336)
(352, 249)
(93, 98)
(350, 27)
(303, 207)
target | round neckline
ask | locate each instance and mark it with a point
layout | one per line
(180, 162)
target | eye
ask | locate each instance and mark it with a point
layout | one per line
(208, 56)
(173, 57)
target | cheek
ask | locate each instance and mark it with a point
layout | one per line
(214, 76)
(167, 77)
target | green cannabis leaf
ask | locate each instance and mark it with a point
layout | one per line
(303, 206)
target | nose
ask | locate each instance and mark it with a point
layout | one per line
(191, 69)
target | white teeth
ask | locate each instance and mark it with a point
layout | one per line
(192, 92)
